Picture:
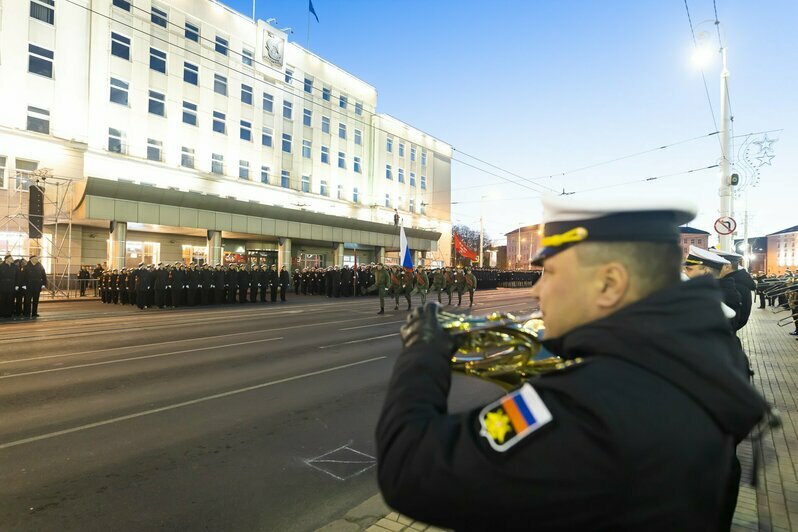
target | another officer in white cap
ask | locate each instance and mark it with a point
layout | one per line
(743, 282)
(700, 262)
(640, 436)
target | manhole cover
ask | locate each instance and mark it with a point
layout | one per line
(342, 463)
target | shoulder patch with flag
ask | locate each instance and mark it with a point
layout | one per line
(513, 417)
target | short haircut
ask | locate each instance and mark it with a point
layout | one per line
(651, 265)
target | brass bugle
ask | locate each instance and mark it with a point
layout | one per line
(501, 348)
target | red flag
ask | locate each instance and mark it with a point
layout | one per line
(462, 249)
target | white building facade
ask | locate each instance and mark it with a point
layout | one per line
(185, 131)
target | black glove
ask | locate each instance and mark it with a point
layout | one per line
(423, 327)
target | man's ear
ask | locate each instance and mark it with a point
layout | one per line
(613, 285)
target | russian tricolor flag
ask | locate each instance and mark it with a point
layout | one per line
(404, 252)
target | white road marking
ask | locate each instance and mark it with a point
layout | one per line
(359, 341)
(181, 405)
(371, 462)
(371, 325)
(130, 359)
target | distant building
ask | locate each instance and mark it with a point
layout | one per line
(495, 257)
(522, 246)
(757, 254)
(690, 236)
(782, 250)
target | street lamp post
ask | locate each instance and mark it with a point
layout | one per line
(725, 192)
(518, 253)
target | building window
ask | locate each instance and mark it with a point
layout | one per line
(192, 31)
(358, 108)
(286, 143)
(340, 195)
(412, 179)
(264, 175)
(40, 61)
(423, 158)
(288, 110)
(219, 123)
(354, 195)
(308, 85)
(341, 160)
(285, 179)
(243, 170)
(43, 10)
(266, 136)
(246, 131)
(389, 145)
(246, 56)
(412, 153)
(119, 91)
(325, 155)
(358, 168)
(342, 102)
(326, 93)
(401, 175)
(154, 150)
(157, 104)
(115, 140)
(38, 120)
(358, 137)
(412, 207)
(323, 190)
(220, 84)
(190, 73)
(325, 124)
(388, 200)
(158, 16)
(342, 130)
(388, 172)
(120, 46)
(306, 147)
(2, 172)
(25, 171)
(305, 183)
(268, 102)
(190, 113)
(289, 75)
(158, 60)
(221, 45)
(401, 149)
(217, 163)
(307, 117)
(246, 94)
(187, 157)
(122, 4)
(423, 182)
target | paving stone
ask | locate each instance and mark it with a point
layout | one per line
(372, 507)
(405, 520)
(377, 528)
(340, 526)
(391, 525)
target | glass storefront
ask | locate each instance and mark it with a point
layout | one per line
(311, 260)
(195, 254)
(136, 252)
(261, 257)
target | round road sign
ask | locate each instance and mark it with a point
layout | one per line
(725, 225)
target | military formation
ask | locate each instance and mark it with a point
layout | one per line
(180, 285)
(21, 284)
(388, 282)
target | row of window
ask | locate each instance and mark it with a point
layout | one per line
(389, 149)
(400, 176)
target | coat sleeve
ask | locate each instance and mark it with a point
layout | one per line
(435, 466)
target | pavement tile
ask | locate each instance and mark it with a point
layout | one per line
(405, 520)
(418, 526)
(340, 526)
(377, 528)
(391, 525)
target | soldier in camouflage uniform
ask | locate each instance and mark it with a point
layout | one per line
(421, 284)
(382, 283)
(470, 285)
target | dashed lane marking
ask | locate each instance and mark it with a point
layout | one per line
(358, 341)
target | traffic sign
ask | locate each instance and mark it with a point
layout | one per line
(725, 225)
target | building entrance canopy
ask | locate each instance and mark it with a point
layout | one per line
(105, 199)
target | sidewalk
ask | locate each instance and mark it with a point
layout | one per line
(771, 506)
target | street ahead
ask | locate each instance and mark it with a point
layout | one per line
(240, 417)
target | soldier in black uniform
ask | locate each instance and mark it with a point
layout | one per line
(231, 281)
(36, 280)
(743, 282)
(272, 279)
(131, 285)
(143, 285)
(83, 279)
(243, 283)
(8, 286)
(218, 285)
(285, 282)
(21, 288)
(638, 432)
(700, 262)
(255, 282)
(297, 281)
(161, 281)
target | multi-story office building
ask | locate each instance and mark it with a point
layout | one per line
(522, 246)
(183, 130)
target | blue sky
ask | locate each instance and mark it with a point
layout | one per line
(547, 86)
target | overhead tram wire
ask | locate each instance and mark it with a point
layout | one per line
(247, 75)
(703, 77)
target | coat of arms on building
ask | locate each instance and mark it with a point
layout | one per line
(273, 49)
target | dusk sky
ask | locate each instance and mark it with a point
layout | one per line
(541, 88)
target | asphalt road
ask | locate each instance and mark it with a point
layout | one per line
(239, 418)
